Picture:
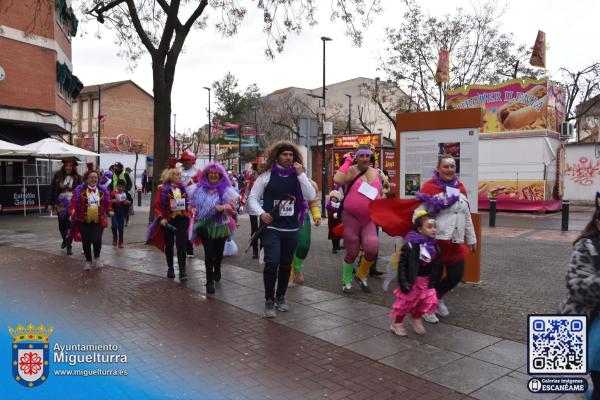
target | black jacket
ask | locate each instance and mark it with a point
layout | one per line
(408, 268)
(55, 189)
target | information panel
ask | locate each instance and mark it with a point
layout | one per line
(419, 153)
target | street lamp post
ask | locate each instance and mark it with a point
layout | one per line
(209, 126)
(349, 96)
(256, 132)
(324, 182)
(175, 135)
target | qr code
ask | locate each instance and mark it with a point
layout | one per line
(557, 344)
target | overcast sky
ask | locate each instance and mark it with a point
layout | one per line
(572, 30)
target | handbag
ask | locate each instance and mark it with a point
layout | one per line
(340, 209)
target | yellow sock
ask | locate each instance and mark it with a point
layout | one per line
(364, 268)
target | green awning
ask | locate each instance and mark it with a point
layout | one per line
(70, 82)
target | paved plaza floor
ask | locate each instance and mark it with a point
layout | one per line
(183, 344)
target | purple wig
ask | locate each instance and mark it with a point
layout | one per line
(224, 181)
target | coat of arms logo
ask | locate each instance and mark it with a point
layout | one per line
(30, 354)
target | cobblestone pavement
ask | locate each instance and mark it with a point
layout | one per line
(522, 272)
(211, 349)
(488, 366)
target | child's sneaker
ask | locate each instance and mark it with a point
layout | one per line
(121, 245)
(87, 266)
(398, 329)
(98, 263)
(417, 324)
(442, 309)
(431, 318)
(114, 243)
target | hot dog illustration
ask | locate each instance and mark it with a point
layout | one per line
(517, 115)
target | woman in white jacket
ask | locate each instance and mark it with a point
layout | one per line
(445, 197)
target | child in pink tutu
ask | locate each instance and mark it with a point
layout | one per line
(419, 270)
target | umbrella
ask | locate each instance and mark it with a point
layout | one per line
(9, 149)
(52, 148)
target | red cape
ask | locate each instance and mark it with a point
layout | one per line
(394, 216)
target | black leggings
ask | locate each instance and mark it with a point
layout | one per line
(213, 255)
(63, 226)
(454, 274)
(178, 238)
(253, 228)
(91, 235)
(596, 380)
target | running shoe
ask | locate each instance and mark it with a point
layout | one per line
(417, 324)
(363, 284)
(398, 329)
(442, 309)
(281, 305)
(270, 309)
(431, 318)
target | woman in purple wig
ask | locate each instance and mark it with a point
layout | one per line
(214, 205)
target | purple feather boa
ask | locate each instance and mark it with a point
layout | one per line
(79, 190)
(442, 184)
(302, 204)
(63, 202)
(435, 204)
(164, 192)
(413, 237)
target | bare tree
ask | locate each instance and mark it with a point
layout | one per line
(583, 90)
(479, 52)
(160, 29)
(382, 99)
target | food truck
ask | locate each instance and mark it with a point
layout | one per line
(521, 156)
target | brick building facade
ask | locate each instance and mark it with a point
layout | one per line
(37, 83)
(124, 114)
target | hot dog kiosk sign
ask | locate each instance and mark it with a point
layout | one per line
(515, 105)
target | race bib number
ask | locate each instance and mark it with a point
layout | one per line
(93, 199)
(177, 204)
(368, 190)
(450, 191)
(121, 196)
(287, 210)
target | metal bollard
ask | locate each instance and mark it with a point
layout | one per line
(492, 213)
(564, 225)
(139, 192)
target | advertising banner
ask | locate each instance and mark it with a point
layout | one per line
(339, 153)
(389, 165)
(530, 190)
(13, 198)
(419, 153)
(352, 141)
(515, 105)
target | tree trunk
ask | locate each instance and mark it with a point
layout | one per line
(162, 126)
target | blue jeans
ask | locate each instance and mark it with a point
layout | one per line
(279, 250)
(118, 223)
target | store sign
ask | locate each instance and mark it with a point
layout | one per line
(352, 141)
(13, 198)
(515, 105)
